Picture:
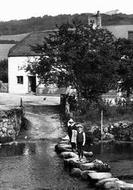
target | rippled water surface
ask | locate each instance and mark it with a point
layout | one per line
(120, 157)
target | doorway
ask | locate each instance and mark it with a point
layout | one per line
(32, 84)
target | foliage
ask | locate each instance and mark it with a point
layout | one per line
(80, 55)
(4, 70)
(124, 49)
(48, 22)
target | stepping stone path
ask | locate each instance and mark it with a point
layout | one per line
(95, 172)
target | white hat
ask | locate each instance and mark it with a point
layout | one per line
(71, 120)
(80, 126)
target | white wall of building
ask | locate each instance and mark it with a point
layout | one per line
(16, 67)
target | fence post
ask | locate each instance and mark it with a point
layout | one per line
(101, 125)
(21, 102)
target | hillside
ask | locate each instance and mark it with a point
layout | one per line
(49, 22)
(7, 42)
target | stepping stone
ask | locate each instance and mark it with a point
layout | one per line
(76, 172)
(124, 186)
(63, 148)
(88, 154)
(97, 176)
(84, 174)
(69, 155)
(72, 162)
(103, 181)
(64, 142)
(65, 138)
(110, 185)
(87, 166)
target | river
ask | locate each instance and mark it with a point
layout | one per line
(32, 163)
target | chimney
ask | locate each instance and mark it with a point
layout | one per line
(95, 20)
(98, 19)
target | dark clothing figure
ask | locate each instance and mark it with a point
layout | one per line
(80, 149)
(80, 141)
(69, 130)
(73, 146)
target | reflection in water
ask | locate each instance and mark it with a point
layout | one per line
(119, 156)
(31, 163)
(17, 149)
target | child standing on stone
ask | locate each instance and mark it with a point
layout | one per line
(74, 138)
(80, 141)
(70, 125)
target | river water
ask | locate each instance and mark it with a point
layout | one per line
(32, 164)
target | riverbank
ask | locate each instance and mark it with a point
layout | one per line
(94, 171)
(31, 162)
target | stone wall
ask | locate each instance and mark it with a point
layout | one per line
(10, 123)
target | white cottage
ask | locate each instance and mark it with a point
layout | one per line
(20, 81)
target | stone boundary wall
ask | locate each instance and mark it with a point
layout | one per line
(10, 123)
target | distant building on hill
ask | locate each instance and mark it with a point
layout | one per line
(95, 20)
(119, 31)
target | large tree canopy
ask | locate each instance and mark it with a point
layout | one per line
(80, 55)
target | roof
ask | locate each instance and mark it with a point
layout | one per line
(23, 48)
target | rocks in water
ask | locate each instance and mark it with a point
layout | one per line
(97, 176)
(96, 172)
(72, 162)
(65, 138)
(88, 154)
(124, 186)
(117, 185)
(100, 184)
(64, 142)
(69, 155)
(84, 174)
(110, 185)
(100, 166)
(76, 172)
(87, 166)
(63, 148)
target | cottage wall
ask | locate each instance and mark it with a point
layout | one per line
(16, 68)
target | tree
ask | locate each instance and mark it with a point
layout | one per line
(80, 55)
(4, 70)
(124, 50)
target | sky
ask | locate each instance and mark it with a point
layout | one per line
(23, 9)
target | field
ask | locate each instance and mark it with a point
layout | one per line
(4, 48)
(17, 37)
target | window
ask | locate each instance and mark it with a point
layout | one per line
(20, 79)
(130, 35)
